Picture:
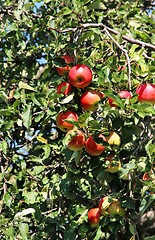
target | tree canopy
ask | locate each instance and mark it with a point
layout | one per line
(47, 189)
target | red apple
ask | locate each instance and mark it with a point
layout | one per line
(89, 100)
(122, 94)
(80, 76)
(115, 208)
(103, 205)
(94, 216)
(66, 115)
(63, 71)
(76, 140)
(93, 148)
(114, 139)
(64, 88)
(146, 93)
(146, 176)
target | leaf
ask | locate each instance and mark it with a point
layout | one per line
(24, 213)
(150, 238)
(23, 228)
(27, 116)
(41, 139)
(67, 99)
(25, 86)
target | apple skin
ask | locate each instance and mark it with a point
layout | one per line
(115, 208)
(122, 94)
(94, 216)
(63, 71)
(113, 167)
(89, 100)
(114, 139)
(103, 205)
(146, 93)
(64, 88)
(77, 141)
(65, 115)
(80, 76)
(93, 148)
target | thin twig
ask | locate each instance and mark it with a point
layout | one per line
(125, 53)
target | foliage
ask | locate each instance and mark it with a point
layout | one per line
(46, 189)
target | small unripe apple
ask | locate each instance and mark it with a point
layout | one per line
(94, 216)
(94, 148)
(123, 94)
(61, 118)
(114, 139)
(80, 76)
(114, 166)
(76, 140)
(63, 71)
(146, 93)
(64, 88)
(115, 208)
(89, 100)
(103, 205)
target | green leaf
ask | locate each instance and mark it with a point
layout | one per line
(23, 228)
(27, 116)
(23, 85)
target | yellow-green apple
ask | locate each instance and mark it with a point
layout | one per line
(80, 76)
(89, 100)
(63, 71)
(114, 139)
(146, 93)
(123, 94)
(76, 140)
(61, 118)
(103, 205)
(115, 208)
(114, 165)
(65, 88)
(94, 216)
(94, 148)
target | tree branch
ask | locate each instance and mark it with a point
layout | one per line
(101, 25)
(125, 53)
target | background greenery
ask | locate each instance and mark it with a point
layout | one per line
(46, 190)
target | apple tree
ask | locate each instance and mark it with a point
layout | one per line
(77, 119)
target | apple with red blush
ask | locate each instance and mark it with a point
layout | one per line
(80, 76)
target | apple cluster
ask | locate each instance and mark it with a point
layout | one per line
(80, 76)
(107, 206)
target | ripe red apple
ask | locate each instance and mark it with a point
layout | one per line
(146, 176)
(66, 115)
(114, 166)
(122, 94)
(114, 139)
(80, 76)
(146, 93)
(103, 205)
(64, 88)
(89, 100)
(115, 208)
(63, 71)
(94, 148)
(94, 216)
(76, 140)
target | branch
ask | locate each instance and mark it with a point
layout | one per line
(101, 25)
(125, 53)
